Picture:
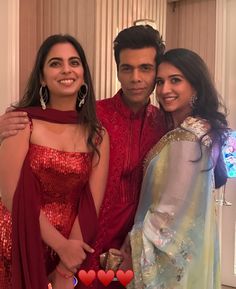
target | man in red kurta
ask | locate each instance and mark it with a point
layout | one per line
(131, 137)
(134, 126)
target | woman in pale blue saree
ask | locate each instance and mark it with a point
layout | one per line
(175, 239)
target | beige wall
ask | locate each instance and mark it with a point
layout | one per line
(3, 58)
(9, 53)
(28, 39)
(191, 24)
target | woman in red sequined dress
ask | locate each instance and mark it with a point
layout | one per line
(53, 173)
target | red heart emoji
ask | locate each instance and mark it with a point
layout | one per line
(105, 277)
(86, 277)
(125, 277)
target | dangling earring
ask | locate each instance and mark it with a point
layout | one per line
(82, 94)
(193, 101)
(43, 96)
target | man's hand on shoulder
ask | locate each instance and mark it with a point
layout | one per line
(11, 122)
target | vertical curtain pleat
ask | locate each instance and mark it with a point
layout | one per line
(192, 24)
(12, 69)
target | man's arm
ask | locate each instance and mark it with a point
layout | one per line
(11, 122)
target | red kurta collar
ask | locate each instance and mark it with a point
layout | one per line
(125, 110)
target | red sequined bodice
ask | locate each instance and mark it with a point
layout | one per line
(62, 176)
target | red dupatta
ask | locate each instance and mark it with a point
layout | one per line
(28, 268)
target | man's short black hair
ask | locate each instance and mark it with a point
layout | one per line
(138, 37)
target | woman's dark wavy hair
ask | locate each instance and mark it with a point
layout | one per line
(87, 113)
(208, 105)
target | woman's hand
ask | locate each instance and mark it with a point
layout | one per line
(72, 253)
